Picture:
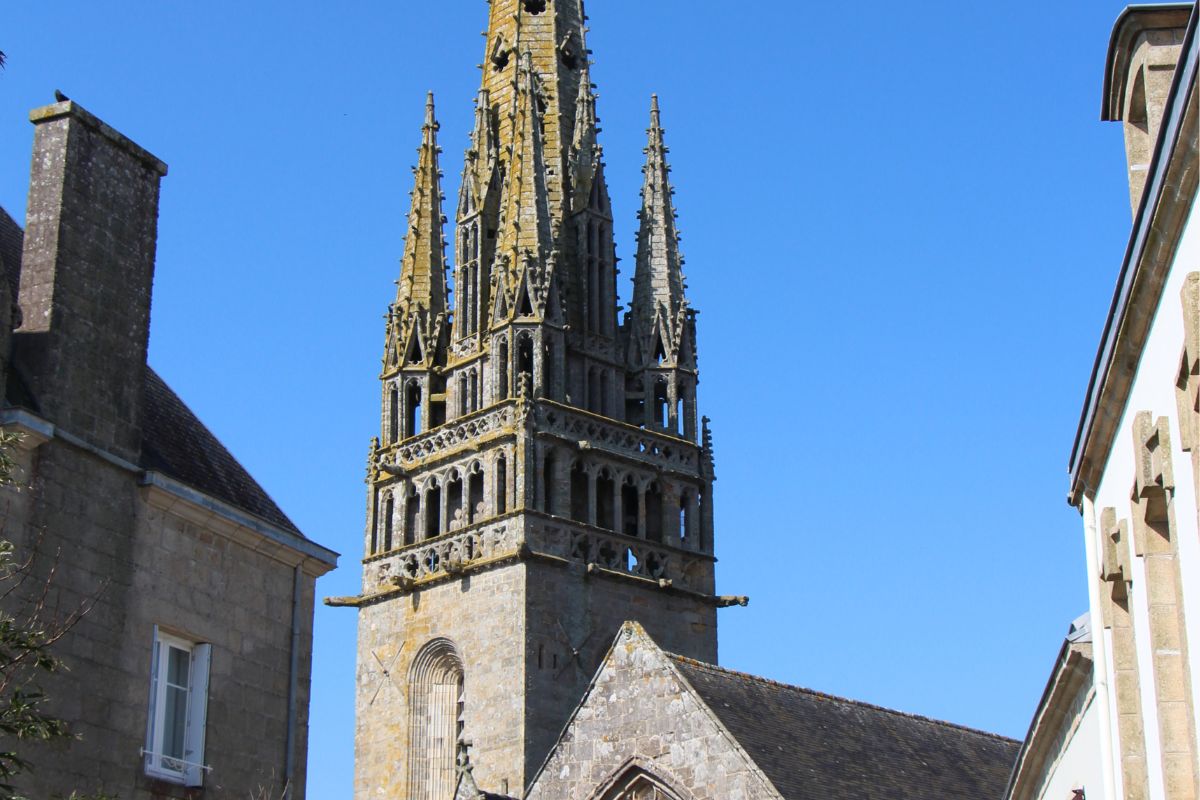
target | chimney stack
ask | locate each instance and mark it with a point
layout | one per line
(86, 277)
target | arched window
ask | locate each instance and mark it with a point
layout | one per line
(435, 682)
(629, 507)
(594, 402)
(605, 490)
(525, 358)
(636, 783)
(501, 485)
(412, 403)
(579, 493)
(389, 511)
(412, 516)
(456, 513)
(433, 510)
(548, 470)
(502, 388)
(549, 373)
(654, 513)
(463, 407)
(685, 517)
(476, 509)
(393, 415)
(661, 406)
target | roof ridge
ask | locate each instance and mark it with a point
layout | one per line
(826, 696)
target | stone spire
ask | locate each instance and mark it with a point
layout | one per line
(526, 239)
(659, 321)
(420, 306)
(552, 33)
(423, 267)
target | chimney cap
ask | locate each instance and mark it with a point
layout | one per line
(69, 108)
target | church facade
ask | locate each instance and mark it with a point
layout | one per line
(542, 486)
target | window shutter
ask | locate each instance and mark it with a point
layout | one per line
(152, 706)
(197, 713)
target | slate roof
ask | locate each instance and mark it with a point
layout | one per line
(813, 746)
(174, 441)
(12, 240)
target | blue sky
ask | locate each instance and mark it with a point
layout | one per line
(903, 223)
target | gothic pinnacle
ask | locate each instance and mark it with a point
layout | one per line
(659, 307)
(422, 285)
(526, 222)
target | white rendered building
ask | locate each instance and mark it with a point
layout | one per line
(1136, 458)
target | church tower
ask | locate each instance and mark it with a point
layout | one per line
(540, 475)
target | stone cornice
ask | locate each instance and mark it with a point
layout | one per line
(1169, 196)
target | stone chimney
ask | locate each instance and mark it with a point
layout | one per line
(86, 276)
(1142, 55)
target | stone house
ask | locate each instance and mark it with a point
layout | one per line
(1120, 717)
(189, 675)
(542, 476)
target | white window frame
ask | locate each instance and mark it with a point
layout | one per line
(190, 769)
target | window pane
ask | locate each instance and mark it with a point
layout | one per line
(174, 724)
(178, 666)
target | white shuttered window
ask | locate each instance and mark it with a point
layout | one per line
(178, 706)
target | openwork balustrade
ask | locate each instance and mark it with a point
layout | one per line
(473, 547)
(629, 441)
(611, 551)
(445, 555)
(456, 433)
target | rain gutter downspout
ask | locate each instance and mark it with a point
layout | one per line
(289, 768)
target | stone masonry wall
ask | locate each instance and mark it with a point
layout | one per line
(147, 567)
(481, 615)
(569, 610)
(640, 712)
